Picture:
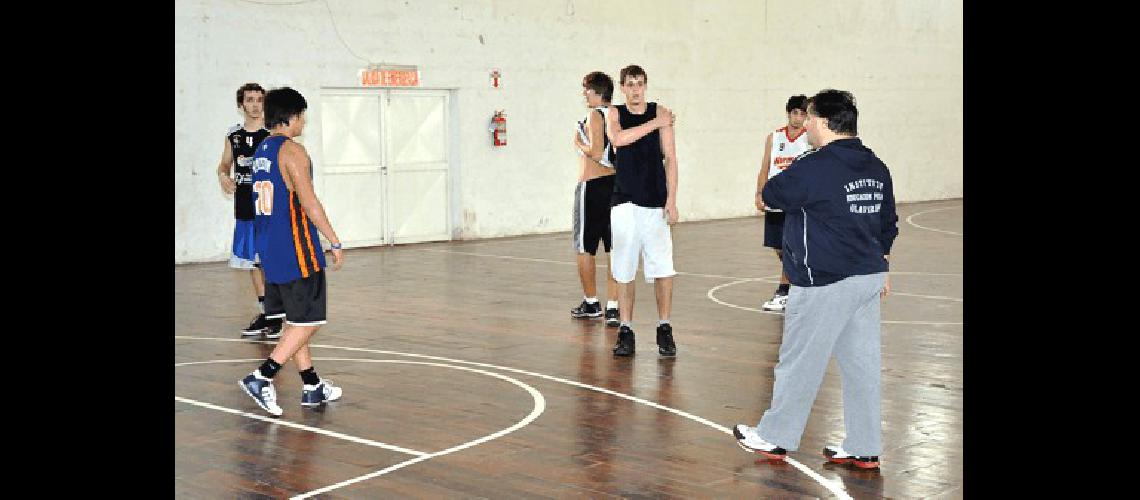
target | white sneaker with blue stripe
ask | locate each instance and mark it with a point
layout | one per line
(262, 391)
(314, 395)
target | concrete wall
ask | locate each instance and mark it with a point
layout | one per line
(725, 67)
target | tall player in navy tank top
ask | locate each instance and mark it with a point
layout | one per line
(644, 205)
(287, 218)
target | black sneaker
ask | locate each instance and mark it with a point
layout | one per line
(587, 310)
(624, 346)
(665, 344)
(256, 327)
(273, 328)
(612, 317)
(836, 455)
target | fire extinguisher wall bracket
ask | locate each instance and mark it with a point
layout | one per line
(499, 128)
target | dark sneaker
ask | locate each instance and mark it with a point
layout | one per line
(665, 344)
(262, 392)
(587, 310)
(624, 346)
(256, 327)
(612, 317)
(273, 328)
(748, 439)
(836, 455)
(313, 395)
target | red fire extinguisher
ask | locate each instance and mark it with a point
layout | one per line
(499, 128)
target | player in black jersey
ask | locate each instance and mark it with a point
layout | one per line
(241, 141)
(644, 205)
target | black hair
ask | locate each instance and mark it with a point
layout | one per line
(601, 84)
(838, 107)
(796, 102)
(281, 105)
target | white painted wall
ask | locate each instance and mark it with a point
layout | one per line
(725, 67)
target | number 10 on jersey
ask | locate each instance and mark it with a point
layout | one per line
(263, 205)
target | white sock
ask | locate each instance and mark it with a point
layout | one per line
(611, 304)
(591, 300)
(663, 322)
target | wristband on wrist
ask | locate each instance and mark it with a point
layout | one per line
(335, 246)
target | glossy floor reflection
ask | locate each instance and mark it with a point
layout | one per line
(504, 304)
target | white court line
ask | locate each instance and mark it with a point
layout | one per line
(504, 241)
(286, 423)
(892, 322)
(723, 303)
(604, 266)
(836, 487)
(909, 221)
(931, 297)
(510, 257)
(539, 407)
(773, 279)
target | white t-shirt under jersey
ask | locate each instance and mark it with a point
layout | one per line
(785, 149)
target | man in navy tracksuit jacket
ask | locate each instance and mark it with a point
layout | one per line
(839, 227)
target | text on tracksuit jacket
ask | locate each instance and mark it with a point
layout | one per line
(840, 218)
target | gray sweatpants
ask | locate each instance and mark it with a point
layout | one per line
(842, 319)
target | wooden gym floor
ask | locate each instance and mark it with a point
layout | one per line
(464, 376)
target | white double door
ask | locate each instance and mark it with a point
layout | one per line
(386, 159)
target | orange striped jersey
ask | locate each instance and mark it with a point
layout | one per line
(286, 240)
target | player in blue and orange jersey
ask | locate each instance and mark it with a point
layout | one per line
(287, 217)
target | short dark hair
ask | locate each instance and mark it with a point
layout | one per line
(631, 71)
(281, 105)
(601, 84)
(245, 88)
(838, 107)
(796, 102)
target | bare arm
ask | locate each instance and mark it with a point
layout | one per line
(621, 137)
(295, 165)
(763, 177)
(227, 182)
(668, 147)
